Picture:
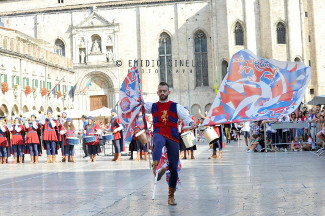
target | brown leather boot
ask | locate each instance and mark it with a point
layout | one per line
(48, 159)
(16, 160)
(146, 156)
(1, 160)
(72, 159)
(119, 157)
(214, 155)
(36, 159)
(4, 160)
(20, 160)
(138, 156)
(53, 158)
(161, 171)
(171, 200)
(115, 157)
(32, 159)
(220, 155)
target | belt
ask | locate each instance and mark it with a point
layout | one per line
(49, 129)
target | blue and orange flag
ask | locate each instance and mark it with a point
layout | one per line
(256, 88)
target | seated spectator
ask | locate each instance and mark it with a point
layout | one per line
(296, 146)
(307, 147)
(254, 143)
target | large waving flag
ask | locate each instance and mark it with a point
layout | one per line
(130, 102)
(257, 88)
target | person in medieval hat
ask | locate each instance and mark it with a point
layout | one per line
(17, 131)
(50, 137)
(70, 131)
(116, 127)
(32, 138)
(92, 129)
(4, 132)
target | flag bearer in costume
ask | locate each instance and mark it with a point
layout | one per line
(16, 141)
(92, 129)
(50, 136)
(115, 128)
(69, 132)
(165, 115)
(32, 138)
(4, 133)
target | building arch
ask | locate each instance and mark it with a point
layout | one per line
(25, 109)
(165, 58)
(297, 59)
(201, 59)
(224, 69)
(195, 110)
(207, 107)
(59, 47)
(4, 110)
(14, 110)
(239, 33)
(281, 32)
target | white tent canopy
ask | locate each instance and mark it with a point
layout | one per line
(102, 112)
(320, 99)
(75, 113)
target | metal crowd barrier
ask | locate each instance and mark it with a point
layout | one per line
(287, 131)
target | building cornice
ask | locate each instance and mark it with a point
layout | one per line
(98, 5)
(33, 59)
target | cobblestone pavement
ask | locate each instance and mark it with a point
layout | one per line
(282, 183)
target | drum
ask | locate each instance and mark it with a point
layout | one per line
(141, 136)
(89, 139)
(210, 134)
(188, 139)
(73, 140)
(108, 137)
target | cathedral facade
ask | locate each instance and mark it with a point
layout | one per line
(187, 44)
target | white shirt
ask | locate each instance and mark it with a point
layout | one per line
(246, 127)
(181, 112)
(285, 118)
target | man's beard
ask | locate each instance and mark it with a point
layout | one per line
(163, 97)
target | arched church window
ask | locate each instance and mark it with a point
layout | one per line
(281, 33)
(224, 68)
(239, 34)
(201, 59)
(165, 58)
(59, 47)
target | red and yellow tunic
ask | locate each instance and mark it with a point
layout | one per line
(165, 120)
(32, 134)
(3, 137)
(69, 133)
(17, 137)
(91, 131)
(115, 123)
(49, 131)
